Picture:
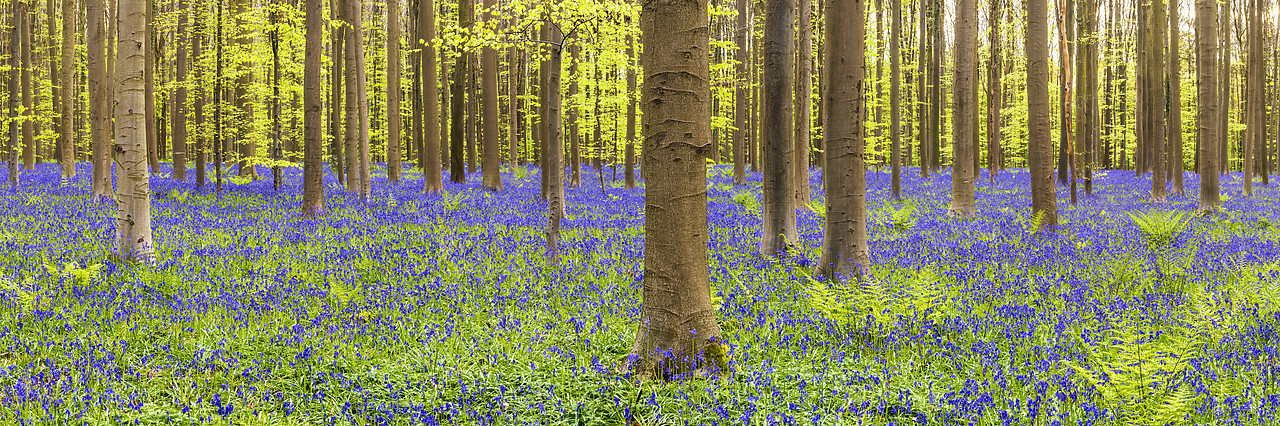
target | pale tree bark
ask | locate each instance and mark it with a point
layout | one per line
(393, 91)
(490, 163)
(844, 244)
(1040, 146)
(68, 92)
(922, 75)
(133, 220)
(677, 330)
(779, 224)
(312, 99)
(55, 99)
(432, 175)
(1224, 89)
(1207, 101)
(963, 110)
(99, 99)
(803, 105)
(575, 158)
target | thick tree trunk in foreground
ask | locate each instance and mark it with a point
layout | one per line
(962, 167)
(133, 222)
(1043, 199)
(844, 244)
(677, 331)
(555, 144)
(778, 231)
(432, 175)
(1207, 101)
(68, 92)
(313, 104)
(393, 91)
(490, 163)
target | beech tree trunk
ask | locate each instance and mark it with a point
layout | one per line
(963, 109)
(803, 105)
(491, 162)
(1156, 95)
(179, 97)
(69, 92)
(99, 99)
(351, 131)
(994, 93)
(1207, 101)
(337, 75)
(844, 244)
(133, 221)
(22, 18)
(1040, 146)
(432, 175)
(575, 155)
(313, 104)
(677, 330)
(457, 173)
(1175, 163)
(555, 144)
(779, 225)
(197, 34)
(393, 91)
(632, 68)
(153, 154)
(895, 91)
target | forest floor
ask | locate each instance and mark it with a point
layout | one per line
(439, 309)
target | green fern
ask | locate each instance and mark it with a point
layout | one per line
(1160, 228)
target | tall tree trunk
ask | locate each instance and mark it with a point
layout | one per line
(197, 34)
(779, 226)
(69, 92)
(393, 91)
(1207, 101)
(935, 103)
(179, 96)
(1253, 127)
(895, 91)
(741, 86)
(362, 95)
(337, 76)
(133, 222)
(277, 148)
(313, 143)
(1040, 145)
(922, 74)
(994, 92)
(1175, 163)
(962, 168)
(472, 111)
(804, 104)
(555, 144)
(513, 108)
(457, 173)
(15, 45)
(844, 244)
(491, 161)
(1156, 95)
(575, 155)
(153, 154)
(632, 67)
(22, 18)
(1224, 88)
(432, 175)
(677, 329)
(351, 131)
(99, 99)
